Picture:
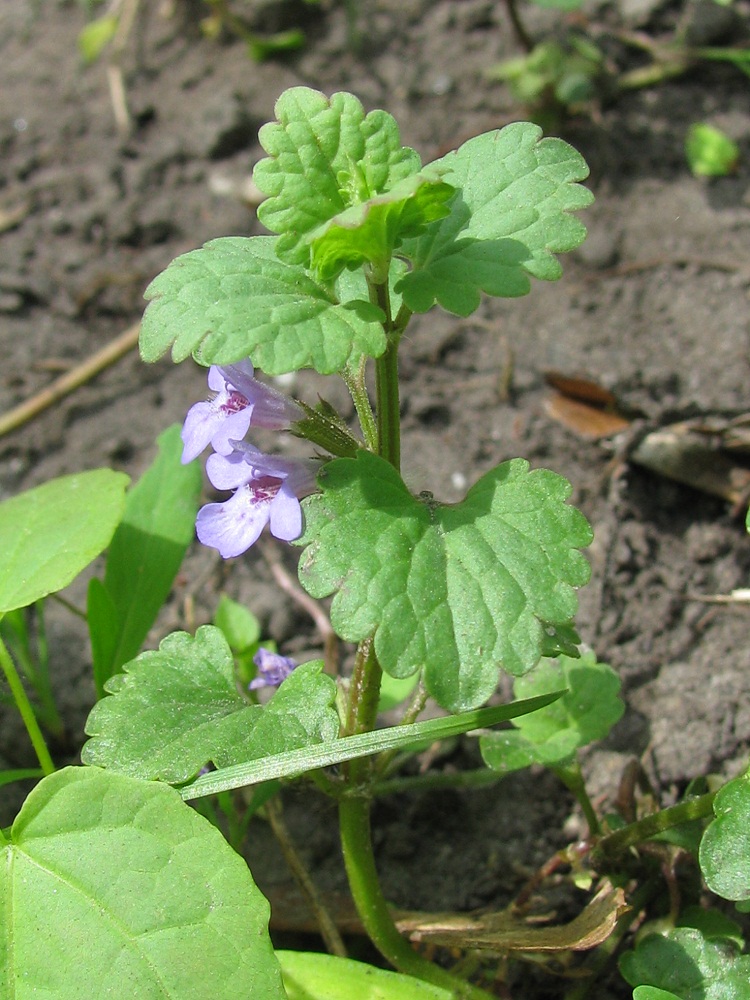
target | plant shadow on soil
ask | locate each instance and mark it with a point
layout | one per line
(654, 306)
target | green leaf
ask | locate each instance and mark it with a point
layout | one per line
(684, 963)
(48, 535)
(712, 924)
(240, 626)
(95, 37)
(370, 231)
(510, 216)
(652, 993)
(312, 976)
(324, 155)
(460, 590)
(20, 774)
(725, 848)
(710, 152)
(559, 4)
(144, 557)
(242, 631)
(584, 714)
(234, 299)
(177, 709)
(293, 762)
(394, 690)
(113, 887)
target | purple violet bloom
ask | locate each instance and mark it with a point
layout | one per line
(268, 489)
(272, 669)
(239, 401)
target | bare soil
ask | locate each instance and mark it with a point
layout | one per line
(654, 307)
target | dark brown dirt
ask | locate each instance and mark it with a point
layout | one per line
(654, 307)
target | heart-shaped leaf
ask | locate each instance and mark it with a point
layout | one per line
(114, 887)
(725, 848)
(460, 590)
(551, 736)
(684, 963)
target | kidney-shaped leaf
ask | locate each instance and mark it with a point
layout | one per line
(113, 887)
(725, 848)
(49, 534)
(551, 736)
(177, 708)
(234, 299)
(511, 215)
(460, 590)
(683, 962)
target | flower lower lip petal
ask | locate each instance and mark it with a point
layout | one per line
(233, 526)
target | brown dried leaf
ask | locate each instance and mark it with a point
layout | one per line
(502, 932)
(688, 453)
(582, 418)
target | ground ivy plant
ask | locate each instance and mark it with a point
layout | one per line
(111, 884)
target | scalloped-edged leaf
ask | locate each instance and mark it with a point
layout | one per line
(324, 155)
(176, 709)
(725, 848)
(460, 590)
(49, 534)
(511, 215)
(683, 962)
(113, 887)
(234, 299)
(370, 231)
(552, 735)
(312, 976)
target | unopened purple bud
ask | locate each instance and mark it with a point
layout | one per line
(272, 669)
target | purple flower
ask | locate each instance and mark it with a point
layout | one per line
(239, 401)
(268, 489)
(272, 669)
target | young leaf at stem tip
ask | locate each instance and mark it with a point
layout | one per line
(324, 156)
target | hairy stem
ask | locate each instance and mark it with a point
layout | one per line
(386, 379)
(364, 690)
(25, 710)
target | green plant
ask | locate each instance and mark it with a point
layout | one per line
(143, 895)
